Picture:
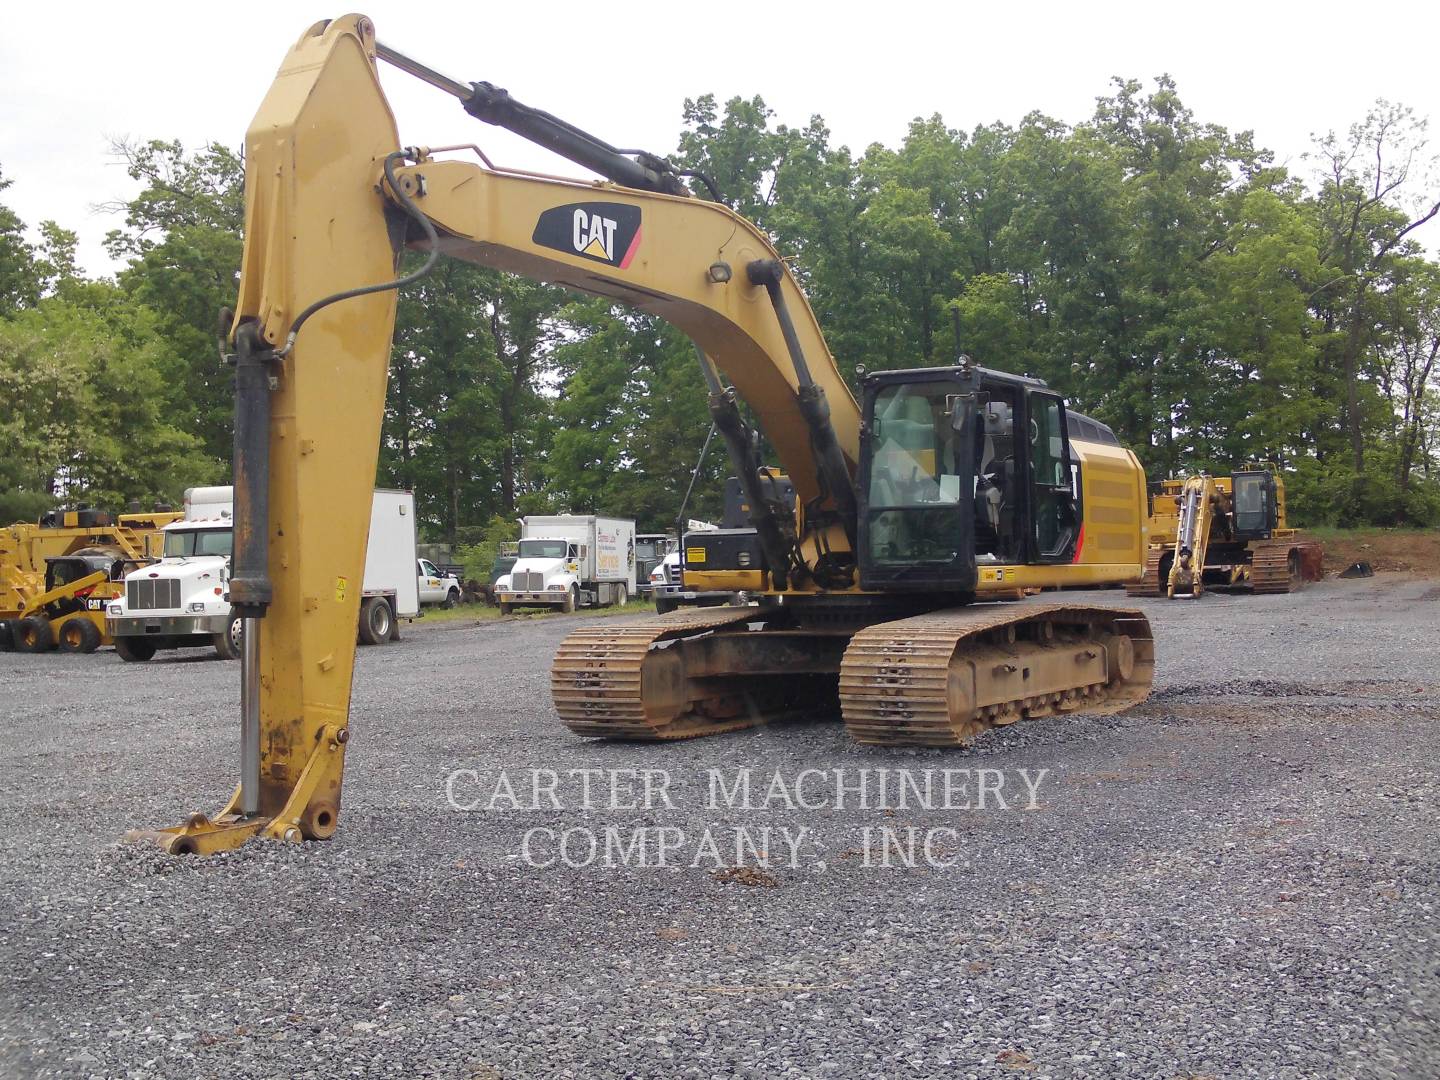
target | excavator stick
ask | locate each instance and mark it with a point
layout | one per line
(316, 225)
(1187, 570)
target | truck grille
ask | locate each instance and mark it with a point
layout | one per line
(150, 594)
(528, 582)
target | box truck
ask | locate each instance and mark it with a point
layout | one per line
(570, 561)
(183, 601)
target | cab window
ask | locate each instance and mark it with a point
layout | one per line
(1053, 494)
(542, 549)
(188, 543)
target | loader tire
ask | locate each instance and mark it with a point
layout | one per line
(375, 621)
(134, 650)
(79, 636)
(34, 635)
(230, 643)
(7, 636)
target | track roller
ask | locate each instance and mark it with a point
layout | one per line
(693, 673)
(944, 678)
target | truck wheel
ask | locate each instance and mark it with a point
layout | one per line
(34, 635)
(622, 595)
(572, 599)
(452, 598)
(134, 649)
(7, 636)
(79, 636)
(506, 609)
(231, 642)
(375, 620)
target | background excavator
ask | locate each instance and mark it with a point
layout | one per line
(1225, 532)
(940, 487)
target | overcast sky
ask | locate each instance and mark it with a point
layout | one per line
(77, 74)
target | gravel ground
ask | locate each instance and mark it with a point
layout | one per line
(1238, 878)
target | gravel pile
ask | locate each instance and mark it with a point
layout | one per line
(1237, 879)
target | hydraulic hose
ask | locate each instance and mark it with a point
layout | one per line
(408, 205)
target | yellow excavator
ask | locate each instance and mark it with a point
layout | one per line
(941, 487)
(1225, 533)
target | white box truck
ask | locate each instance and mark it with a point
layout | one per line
(571, 561)
(183, 601)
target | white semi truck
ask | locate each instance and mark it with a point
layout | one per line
(183, 601)
(570, 561)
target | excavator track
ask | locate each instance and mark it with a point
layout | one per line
(690, 673)
(944, 678)
(1150, 583)
(1274, 570)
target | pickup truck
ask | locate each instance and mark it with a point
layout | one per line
(436, 587)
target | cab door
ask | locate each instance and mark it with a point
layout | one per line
(428, 580)
(1054, 521)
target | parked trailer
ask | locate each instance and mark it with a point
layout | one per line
(571, 561)
(183, 601)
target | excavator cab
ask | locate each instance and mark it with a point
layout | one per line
(961, 467)
(1257, 510)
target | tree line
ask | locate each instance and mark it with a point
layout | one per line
(1168, 276)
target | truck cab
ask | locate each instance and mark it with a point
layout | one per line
(436, 586)
(546, 571)
(650, 549)
(183, 600)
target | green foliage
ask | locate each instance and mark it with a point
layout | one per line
(87, 417)
(479, 557)
(19, 282)
(1161, 272)
(182, 239)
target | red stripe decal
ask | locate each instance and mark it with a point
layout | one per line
(630, 252)
(1079, 543)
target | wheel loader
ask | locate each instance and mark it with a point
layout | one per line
(1225, 533)
(56, 575)
(936, 490)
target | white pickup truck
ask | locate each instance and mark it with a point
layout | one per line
(436, 587)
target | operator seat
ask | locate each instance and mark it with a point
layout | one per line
(997, 471)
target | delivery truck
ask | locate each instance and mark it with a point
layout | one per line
(570, 561)
(183, 601)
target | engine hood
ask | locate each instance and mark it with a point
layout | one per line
(190, 568)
